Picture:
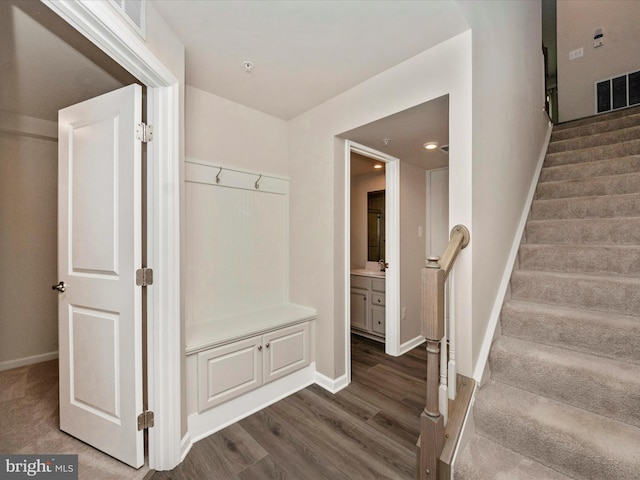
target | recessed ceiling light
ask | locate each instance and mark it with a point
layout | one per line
(378, 166)
(430, 145)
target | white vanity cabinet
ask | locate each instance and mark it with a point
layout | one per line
(368, 305)
(228, 371)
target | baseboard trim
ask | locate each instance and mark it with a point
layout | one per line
(185, 446)
(330, 384)
(508, 269)
(203, 424)
(21, 362)
(411, 344)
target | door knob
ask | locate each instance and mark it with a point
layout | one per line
(60, 287)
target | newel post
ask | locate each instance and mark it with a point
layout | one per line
(431, 422)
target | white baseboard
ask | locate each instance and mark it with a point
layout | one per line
(506, 274)
(185, 446)
(411, 344)
(330, 384)
(21, 362)
(203, 424)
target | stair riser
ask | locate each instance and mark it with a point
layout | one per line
(607, 336)
(627, 205)
(593, 154)
(613, 166)
(623, 261)
(595, 119)
(595, 129)
(544, 431)
(616, 295)
(625, 231)
(546, 372)
(590, 141)
(612, 185)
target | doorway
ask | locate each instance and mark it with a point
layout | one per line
(100, 24)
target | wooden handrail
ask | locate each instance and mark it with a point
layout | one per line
(434, 276)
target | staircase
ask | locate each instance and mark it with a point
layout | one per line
(563, 398)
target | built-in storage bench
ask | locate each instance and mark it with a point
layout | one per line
(238, 354)
(247, 345)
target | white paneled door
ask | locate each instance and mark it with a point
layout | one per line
(99, 250)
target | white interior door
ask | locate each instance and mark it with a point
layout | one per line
(99, 250)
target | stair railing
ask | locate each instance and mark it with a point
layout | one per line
(432, 422)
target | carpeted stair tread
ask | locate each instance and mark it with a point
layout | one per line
(611, 166)
(575, 442)
(587, 187)
(600, 231)
(484, 459)
(596, 128)
(623, 260)
(599, 118)
(616, 150)
(606, 335)
(599, 206)
(595, 140)
(607, 387)
(589, 292)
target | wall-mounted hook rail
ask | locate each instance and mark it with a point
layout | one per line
(218, 175)
(258, 182)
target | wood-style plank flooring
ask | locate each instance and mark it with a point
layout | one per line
(366, 431)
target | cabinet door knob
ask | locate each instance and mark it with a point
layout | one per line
(259, 347)
(268, 345)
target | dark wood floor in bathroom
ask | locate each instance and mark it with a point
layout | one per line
(366, 431)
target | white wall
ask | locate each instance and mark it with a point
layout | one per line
(509, 128)
(28, 240)
(317, 177)
(224, 132)
(577, 21)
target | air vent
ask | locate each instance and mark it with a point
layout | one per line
(134, 11)
(618, 92)
(445, 148)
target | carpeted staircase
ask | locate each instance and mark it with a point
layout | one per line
(563, 398)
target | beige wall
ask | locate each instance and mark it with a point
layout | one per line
(412, 247)
(223, 132)
(28, 240)
(577, 22)
(509, 129)
(360, 186)
(316, 165)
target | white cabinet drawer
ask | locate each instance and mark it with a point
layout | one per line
(378, 284)
(377, 299)
(358, 281)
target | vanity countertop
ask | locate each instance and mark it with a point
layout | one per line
(368, 273)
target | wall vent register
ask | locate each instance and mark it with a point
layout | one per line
(618, 92)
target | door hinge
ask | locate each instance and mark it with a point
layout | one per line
(144, 132)
(144, 277)
(145, 420)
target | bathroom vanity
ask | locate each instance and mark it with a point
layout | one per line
(368, 303)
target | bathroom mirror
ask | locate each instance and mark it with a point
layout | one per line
(375, 226)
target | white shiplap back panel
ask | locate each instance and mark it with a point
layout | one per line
(236, 247)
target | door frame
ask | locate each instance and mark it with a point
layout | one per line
(392, 250)
(102, 25)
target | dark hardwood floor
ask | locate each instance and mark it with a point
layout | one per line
(366, 431)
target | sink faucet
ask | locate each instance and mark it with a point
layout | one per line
(383, 265)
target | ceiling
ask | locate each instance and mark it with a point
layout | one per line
(47, 65)
(304, 52)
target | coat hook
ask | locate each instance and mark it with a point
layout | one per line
(218, 175)
(258, 182)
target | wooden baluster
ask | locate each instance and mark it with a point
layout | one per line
(431, 422)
